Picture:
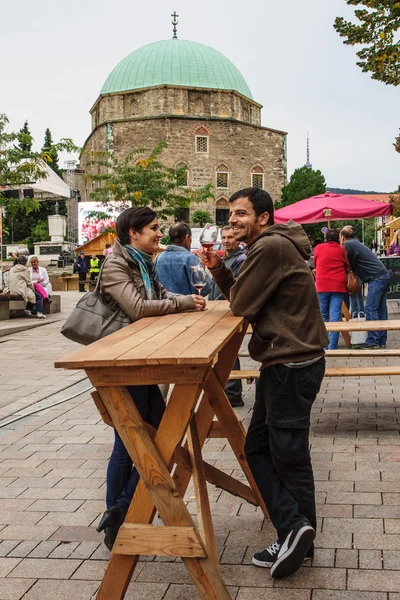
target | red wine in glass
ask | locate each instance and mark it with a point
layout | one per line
(209, 235)
(198, 277)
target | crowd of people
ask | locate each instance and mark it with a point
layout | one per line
(92, 227)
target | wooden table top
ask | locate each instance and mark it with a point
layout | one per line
(363, 325)
(191, 338)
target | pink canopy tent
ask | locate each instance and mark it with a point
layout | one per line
(331, 207)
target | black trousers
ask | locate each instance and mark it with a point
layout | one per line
(277, 445)
(82, 280)
(233, 388)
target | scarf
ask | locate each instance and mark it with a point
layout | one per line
(147, 271)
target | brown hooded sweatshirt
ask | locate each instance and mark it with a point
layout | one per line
(275, 291)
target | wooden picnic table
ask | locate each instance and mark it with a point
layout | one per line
(351, 325)
(195, 351)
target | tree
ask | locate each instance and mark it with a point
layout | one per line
(397, 144)
(304, 183)
(378, 24)
(201, 217)
(135, 181)
(25, 138)
(49, 147)
(17, 167)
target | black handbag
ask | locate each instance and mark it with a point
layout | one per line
(94, 318)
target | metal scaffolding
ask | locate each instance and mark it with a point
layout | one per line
(72, 219)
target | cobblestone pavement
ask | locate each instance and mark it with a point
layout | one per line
(52, 489)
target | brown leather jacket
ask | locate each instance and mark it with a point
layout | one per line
(275, 291)
(121, 280)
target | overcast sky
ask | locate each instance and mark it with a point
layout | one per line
(56, 55)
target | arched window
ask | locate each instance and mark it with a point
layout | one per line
(199, 106)
(183, 175)
(222, 211)
(134, 107)
(257, 177)
(222, 177)
(202, 140)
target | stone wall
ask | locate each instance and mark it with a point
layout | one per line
(238, 148)
(168, 100)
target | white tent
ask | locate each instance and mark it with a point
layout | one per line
(51, 184)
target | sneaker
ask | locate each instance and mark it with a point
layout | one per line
(40, 316)
(382, 346)
(267, 557)
(292, 551)
(28, 313)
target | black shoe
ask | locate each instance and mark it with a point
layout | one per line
(382, 346)
(366, 347)
(293, 551)
(236, 403)
(268, 557)
(110, 522)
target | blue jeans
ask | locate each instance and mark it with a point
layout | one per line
(331, 308)
(376, 308)
(38, 305)
(122, 479)
(357, 303)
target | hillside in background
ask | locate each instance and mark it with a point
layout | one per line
(351, 192)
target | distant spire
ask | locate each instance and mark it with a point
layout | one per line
(308, 164)
(174, 23)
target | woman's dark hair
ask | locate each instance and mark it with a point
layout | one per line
(332, 235)
(261, 201)
(133, 218)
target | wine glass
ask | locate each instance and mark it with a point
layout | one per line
(209, 235)
(198, 277)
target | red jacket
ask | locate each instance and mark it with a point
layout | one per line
(330, 265)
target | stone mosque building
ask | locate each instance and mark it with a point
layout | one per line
(195, 99)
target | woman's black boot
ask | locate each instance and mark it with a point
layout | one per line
(110, 523)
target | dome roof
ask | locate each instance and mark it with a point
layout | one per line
(175, 62)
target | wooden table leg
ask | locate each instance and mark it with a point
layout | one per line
(345, 334)
(155, 475)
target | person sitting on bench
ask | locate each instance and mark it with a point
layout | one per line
(20, 284)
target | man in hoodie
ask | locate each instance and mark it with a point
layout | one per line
(275, 291)
(233, 260)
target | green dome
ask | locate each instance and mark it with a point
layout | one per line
(175, 62)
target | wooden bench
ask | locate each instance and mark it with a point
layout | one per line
(70, 282)
(371, 371)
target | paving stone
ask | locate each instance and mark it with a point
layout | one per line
(146, 591)
(391, 560)
(64, 550)
(47, 589)
(77, 534)
(318, 577)
(378, 581)
(370, 559)
(376, 542)
(336, 595)
(23, 549)
(91, 569)
(27, 532)
(189, 592)
(7, 565)
(45, 568)
(14, 589)
(346, 558)
(252, 593)
(353, 525)
(43, 549)
(6, 546)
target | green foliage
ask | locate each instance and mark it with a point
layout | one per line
(313, 230)
(142, 182)
(397, 144)
(377, 25)
(201, 217)
(19, 165)
(51, 151)
(25, 138)
(304, 183)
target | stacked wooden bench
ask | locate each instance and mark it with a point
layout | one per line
(13, 305)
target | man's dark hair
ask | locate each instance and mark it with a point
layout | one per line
(261, 201)
(133, 218)
(316, 242)
(178, 231)
(347, 232)
(22, 259)
(332, 235)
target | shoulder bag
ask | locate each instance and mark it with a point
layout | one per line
(94, 318)
(352, 285)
